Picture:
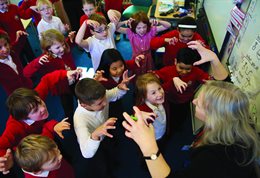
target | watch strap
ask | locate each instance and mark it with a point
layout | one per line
(153, 156)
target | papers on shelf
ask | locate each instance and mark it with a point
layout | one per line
(165, 5)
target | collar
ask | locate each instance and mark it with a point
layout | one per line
(56, 56)
(153, 107)
(3, 11)
(116, 79)
(9, 58)
(42, 174)
(28, 121)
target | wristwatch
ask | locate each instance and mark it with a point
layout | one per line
(153, 156)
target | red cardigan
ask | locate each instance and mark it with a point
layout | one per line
(10, 80)
(65, 171)
(171, 50)
(15, 130)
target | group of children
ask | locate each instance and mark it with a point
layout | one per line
(160, 91)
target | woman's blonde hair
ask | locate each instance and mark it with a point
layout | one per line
(227, 119)
(50, 36)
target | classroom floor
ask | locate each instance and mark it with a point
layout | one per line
(127, 162)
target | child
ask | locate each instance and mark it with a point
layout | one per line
(49, 21)
(177, 39)
(150, 98)
(182, 79)
(102, 36)
(39, 156)
(89, 8)
(56, 56)
(11, 76)
(28, 112)
(140, 34)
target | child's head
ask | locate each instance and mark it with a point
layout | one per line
(112, 63)
(45, 8)
(53, 42)
(99, 32)
(91, 94)
(89, 7)
(141, 23)
(186, 26)
(25, 103)
(149, 89)
(185, 59)
(37, 153)
(4, 45)
(4, 5)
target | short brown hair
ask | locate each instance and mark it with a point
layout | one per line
(99, 18)
(141, 86)
(21, 102)
(4, 35)
(89, 90)
(140, 17)
(33, 151)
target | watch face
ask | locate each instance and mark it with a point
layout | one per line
(153, 156)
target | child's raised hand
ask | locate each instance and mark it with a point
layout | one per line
(67, 27)
(44, 59)
(6, 162)
(129, 22)
(103, 129)
(172, 41)
(148, 117)
(74, 75)
(92, 23)
(99, 76)
(114, 16)
(154, 22)
(125, 81)
(20, 33)
(71, 36)
(62, 125)
(205, 54)
(179, 84)
(139, 59)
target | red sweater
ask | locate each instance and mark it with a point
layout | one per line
(10, 80)
(114, 4)
(10, 22)
(193, 79)
(171, 50)
(15, 130)
(65, 171)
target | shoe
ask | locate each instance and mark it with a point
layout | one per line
(118, 37)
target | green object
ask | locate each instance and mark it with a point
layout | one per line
(134, 118)
(137, 5)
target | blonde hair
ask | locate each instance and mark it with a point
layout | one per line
(227, 119)
(33, 151)
(50, 36)
(141, 86)
(40, 3)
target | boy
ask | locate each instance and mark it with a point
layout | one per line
(91, 122)
(102, 35)
(28, 112)
(177, 39)
(182, 79)
(39, 156)
(48, 20)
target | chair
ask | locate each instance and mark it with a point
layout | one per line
(137, 5)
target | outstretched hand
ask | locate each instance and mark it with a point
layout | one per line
(6, 162)
(103, 129)
(62, 125)
(205, 54)
(125, 81)
(74, 75)
(71, 36)
(139, 59)
(99, 76)
(20, 33)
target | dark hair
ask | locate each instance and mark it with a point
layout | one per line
(187, 56)
(187, 21)
(89, 2)
(4, 35)
(89, 90)
(108, 57)
(21, 102)
(138, 17)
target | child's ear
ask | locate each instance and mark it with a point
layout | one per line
(92, 32)
(84, 105)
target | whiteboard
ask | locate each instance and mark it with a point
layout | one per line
(218, 14)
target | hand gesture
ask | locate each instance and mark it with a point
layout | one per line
(139, 131)
(67, 27)
(154, 22)
(125, 81)
(92, 23)
(113, 16)
(20, 33)
(6, 162)
(99, 76)
(172, 41)
(73, 75)
(129, 22)
(139, 59)
(62, 125)
(205, 54)
(179, 84)
(148, 117)
(44, 59)
(103, 129)
(71, 36)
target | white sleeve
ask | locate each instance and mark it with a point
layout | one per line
(112, 27)
(61, 26)
(88, 146)
(115, 94)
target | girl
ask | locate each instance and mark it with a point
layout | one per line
(56, 56)
(150, 98)
(11, 73)
(140, 32)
